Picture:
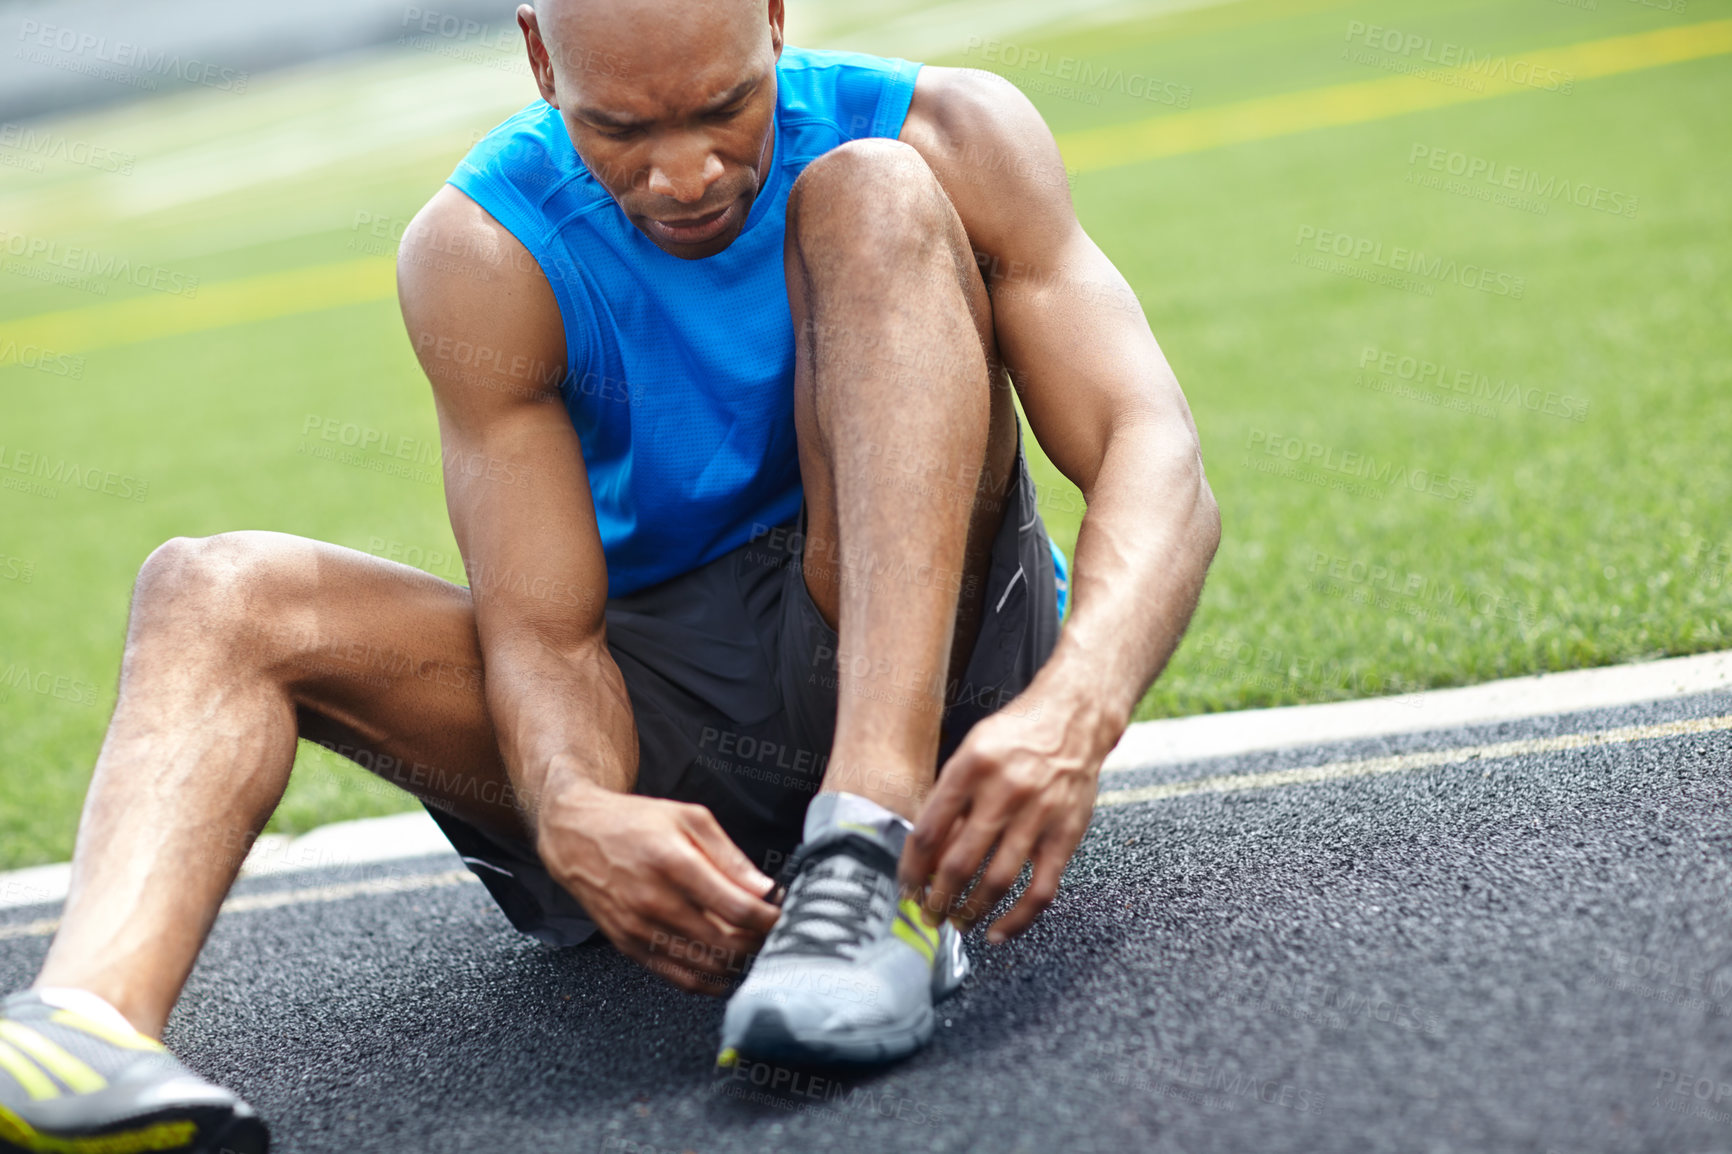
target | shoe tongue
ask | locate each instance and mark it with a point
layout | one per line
(834, 816)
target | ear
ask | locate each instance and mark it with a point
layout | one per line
(776, 27)
(540, 63)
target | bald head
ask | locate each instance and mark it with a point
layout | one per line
(670, 103)
(646, 32)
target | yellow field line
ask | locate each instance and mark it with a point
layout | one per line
(305, 290)
(1373, 766)
(1116, 145)
(331, 893)
(215, 306)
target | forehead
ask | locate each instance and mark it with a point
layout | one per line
(643, 57)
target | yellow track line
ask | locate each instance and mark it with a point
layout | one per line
(313, 894)
(1399, 763)
(235, 302)
(1117, 145)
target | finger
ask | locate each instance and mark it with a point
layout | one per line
(932, 832)
(1050, 858)
(1013, 852)
(633, 937)
(968, 848)
(706, 887)
(690, 936)
(727, 858)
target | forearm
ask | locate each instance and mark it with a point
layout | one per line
(1146, 542)
(562, 715)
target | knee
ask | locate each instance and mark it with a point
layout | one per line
(223, 592)
(874, 200)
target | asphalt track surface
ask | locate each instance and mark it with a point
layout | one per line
(1528, 952)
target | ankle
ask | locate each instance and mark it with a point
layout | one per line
(897, 788)
(86, 1003)
(99, 1001)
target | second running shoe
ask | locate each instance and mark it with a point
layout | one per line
(71, 1083)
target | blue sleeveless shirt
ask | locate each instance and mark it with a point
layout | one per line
(679, 373)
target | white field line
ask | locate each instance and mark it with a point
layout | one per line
(1401, 763)
(309, 896)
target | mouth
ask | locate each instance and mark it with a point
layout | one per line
(695, 229)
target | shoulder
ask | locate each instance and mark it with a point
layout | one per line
(987, 144)
(463, 277)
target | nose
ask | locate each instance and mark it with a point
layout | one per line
(684, 171)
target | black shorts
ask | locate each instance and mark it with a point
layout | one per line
(732, 673)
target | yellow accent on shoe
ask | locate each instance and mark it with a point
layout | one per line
(36, 1084)
(726, 1059)
(910, 909)
(78, 1076)
(854, 825)
(913, 938)
(128, 1039)
(156, 1136)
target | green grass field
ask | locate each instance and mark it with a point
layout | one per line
(1554, 496)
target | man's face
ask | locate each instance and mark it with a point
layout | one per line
(671, 106)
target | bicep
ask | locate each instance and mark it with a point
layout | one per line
(1079, 350)
(488, 334)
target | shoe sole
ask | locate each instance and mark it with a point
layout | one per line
(215, 1132)
(768, 1037)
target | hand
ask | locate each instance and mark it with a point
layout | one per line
(1021, 787)
(661, 879)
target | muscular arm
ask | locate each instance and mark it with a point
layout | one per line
(487, 329)
(1107, 409)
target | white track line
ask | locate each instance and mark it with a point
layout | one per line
(1178, 740)
(1331, 771)
(1399, 763)
(301, 897)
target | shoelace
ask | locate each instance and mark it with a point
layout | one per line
(832, 899)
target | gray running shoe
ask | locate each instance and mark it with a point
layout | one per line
(72, 1084)
(849, 974)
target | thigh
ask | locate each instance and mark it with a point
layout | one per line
(383, 665)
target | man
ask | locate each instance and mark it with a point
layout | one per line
(769, 496)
